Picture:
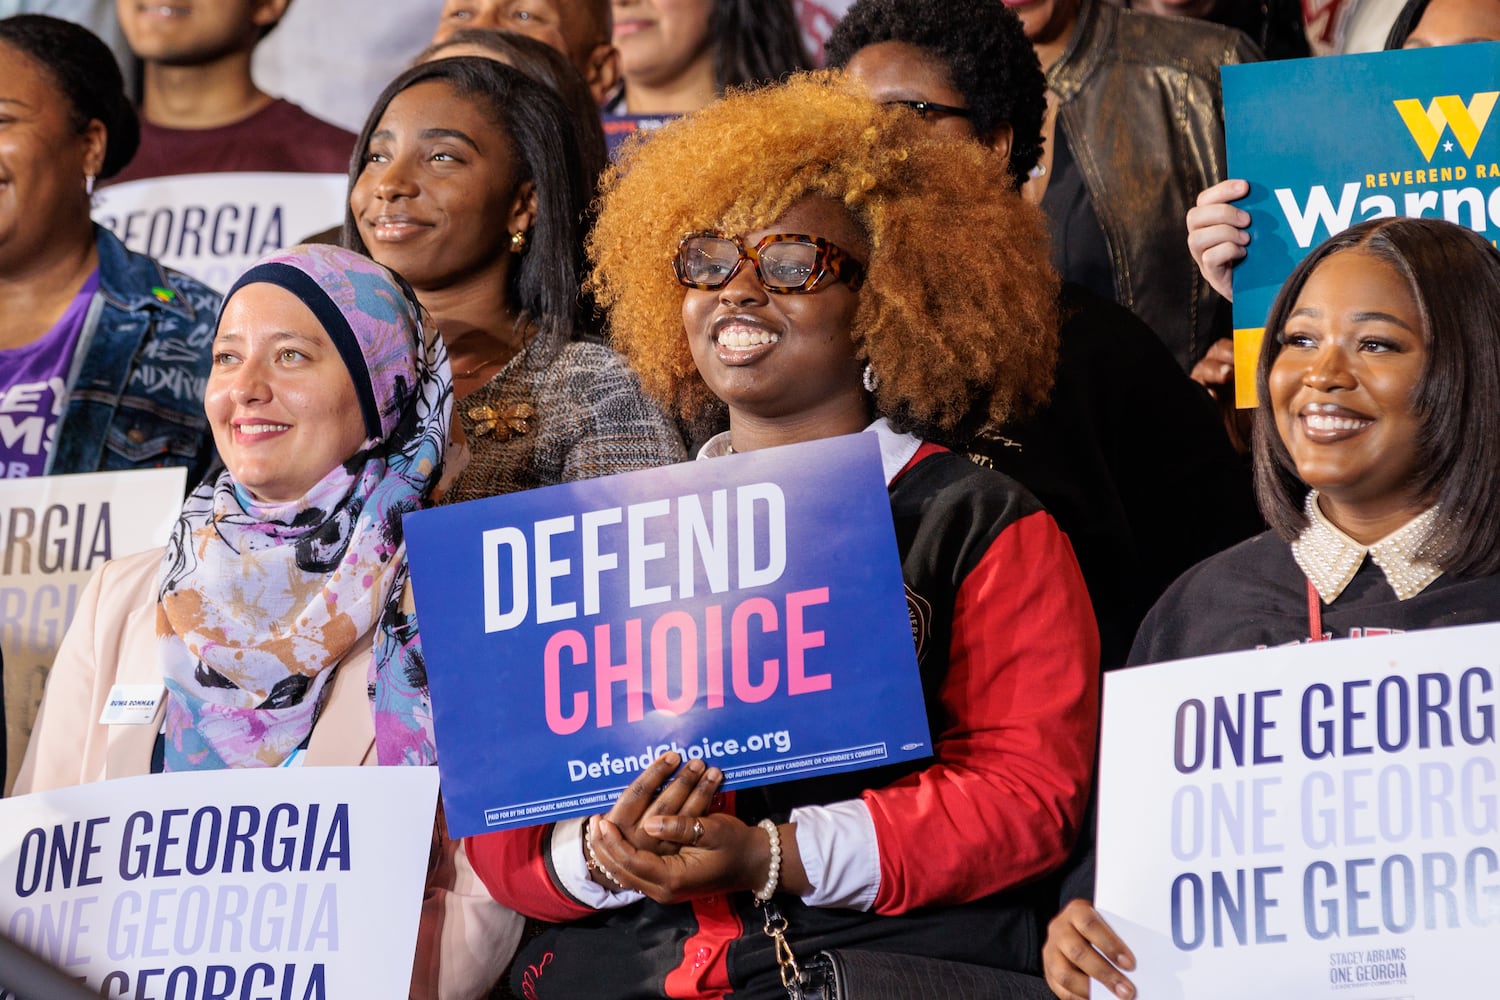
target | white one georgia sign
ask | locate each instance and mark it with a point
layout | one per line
(294, 883)
(1319, 821)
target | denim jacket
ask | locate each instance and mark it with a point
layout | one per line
(135, 388)
(1139, 104)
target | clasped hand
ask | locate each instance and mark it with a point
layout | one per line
(659, 837)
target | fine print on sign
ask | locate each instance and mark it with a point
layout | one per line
(1316, 821)
(748, 611)
(1406, 133)
(295, 883)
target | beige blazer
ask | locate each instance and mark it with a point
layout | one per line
(465, 938)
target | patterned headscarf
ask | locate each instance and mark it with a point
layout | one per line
(259, 602)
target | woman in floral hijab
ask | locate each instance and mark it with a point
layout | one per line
(277, 621)
(328, 565)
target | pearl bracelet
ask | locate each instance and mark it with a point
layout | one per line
(591, 860)
(773, 877)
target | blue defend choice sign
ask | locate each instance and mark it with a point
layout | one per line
(1330, 142)
(748, 611)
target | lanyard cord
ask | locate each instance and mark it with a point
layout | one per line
(1314, 614)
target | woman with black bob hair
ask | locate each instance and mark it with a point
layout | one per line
(1378, 431)
(1453, 276)
(468, 181)
(1377, 454)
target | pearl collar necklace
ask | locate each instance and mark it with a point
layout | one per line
(1330, 558)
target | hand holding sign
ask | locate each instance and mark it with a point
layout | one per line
(1218, 233)
(1078, 941)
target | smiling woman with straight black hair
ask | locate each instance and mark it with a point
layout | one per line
(468, 180)
(1377, 460)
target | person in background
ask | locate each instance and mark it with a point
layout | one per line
(544, 64)
(678, 55)
(1218, 230)
(1275, 26)
(201, 111)
(96, 15)
(1098, 452)
(103, 352)
(803, 258)
(1134, 130)
(278, 616)
(1429, 23)
(579, 29)
(1377, 451)
(469, 182)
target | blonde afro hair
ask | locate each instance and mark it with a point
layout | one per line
(958, 312)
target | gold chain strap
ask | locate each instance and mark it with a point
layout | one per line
(775, 929)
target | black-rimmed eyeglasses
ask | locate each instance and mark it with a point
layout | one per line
(930, 109)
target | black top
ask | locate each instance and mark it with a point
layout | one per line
(1080, 250)
(1132, 460)
(1255, 595)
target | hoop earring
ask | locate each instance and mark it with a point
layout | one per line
(518, 241)
(871, 379)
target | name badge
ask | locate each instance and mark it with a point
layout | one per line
(132, 704)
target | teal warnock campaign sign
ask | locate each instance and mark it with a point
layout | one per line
(748, 611)
(1330, 142)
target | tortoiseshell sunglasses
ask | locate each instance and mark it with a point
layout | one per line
(786, 263)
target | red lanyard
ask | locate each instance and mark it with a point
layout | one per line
(1314, 614)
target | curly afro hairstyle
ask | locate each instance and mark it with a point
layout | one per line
(983, 46)
(958, 311)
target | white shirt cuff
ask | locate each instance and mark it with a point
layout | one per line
(839, 854)
(573, 873)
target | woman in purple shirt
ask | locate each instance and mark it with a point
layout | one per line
(103, 352)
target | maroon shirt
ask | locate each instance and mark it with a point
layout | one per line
(280, 138)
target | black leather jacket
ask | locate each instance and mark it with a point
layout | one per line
(1140, 107)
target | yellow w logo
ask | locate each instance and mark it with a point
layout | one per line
(1426, 124)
